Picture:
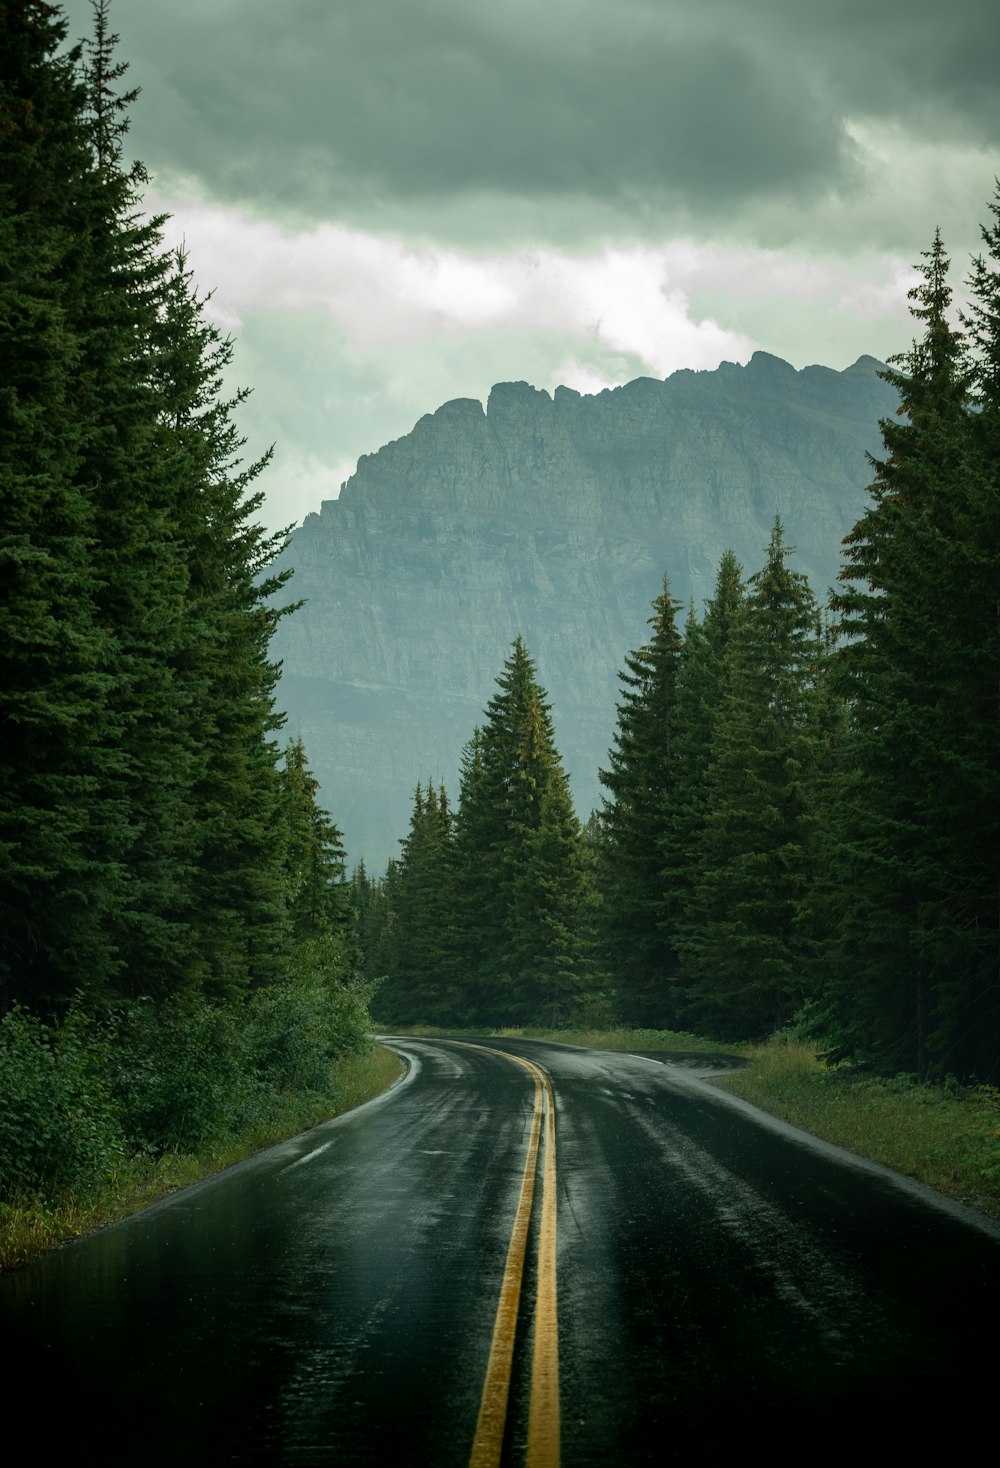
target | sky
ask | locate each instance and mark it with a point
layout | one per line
(399, 202)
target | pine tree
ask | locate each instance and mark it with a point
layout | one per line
(477, 916)
(742, 950)
(222, 671)
(702, 681)
(423, 987)
(913, 981)
(62, 877)
(641, 778)
(141, 790)
(316, 892)
(364, 920)
(548, 956)
(971, 1011)
(522, 902)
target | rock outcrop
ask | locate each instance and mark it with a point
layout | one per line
(555, 517)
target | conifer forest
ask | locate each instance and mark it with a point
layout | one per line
(801, 813)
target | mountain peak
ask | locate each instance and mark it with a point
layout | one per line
(866, 364)
(766, 362)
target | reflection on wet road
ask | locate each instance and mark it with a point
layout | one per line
(686, 1277)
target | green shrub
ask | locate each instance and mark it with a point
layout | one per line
(58, 1121)
(299, 1026)
(183, 1074)
(173, 1077)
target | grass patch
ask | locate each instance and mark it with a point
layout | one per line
(624, 1039)
(594, 1039)
(32, 1226)
(945, 1136)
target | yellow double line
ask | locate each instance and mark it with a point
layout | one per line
(543, 1411)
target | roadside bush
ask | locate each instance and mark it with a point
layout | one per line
(190, 1074)
(183, 1074)
(299, 1026)
(175, 1077)
(58, 1122)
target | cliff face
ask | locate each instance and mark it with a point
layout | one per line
(553, 517)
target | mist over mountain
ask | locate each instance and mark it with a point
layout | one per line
(555, 517)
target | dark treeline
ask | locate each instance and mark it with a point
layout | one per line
(802, 808)
(174, 920)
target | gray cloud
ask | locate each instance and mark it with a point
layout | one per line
(646, 107)
(804, 152)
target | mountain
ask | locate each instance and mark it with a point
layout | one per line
(554, 517)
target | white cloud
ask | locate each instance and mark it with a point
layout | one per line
(583, 378)
(354, 335)
(297, 483)
(655, 307)
(380, 292)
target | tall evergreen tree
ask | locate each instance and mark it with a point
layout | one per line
(477, 915)
(972, 1009)
(914, 977)
(548, 957)
(364, 919)
(316, 889)
(223, 672)
(382, 953)
(62, 837)
(742, 949)
(520, 856)
(136, 825)
(422, 986)
(641, 778)
(702, 682)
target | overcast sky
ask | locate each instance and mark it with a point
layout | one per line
(398, 202)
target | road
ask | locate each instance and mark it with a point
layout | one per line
(542, 1256)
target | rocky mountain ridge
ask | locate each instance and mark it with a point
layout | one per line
(556, 517)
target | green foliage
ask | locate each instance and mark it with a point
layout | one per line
(524, 904)
(139, 793)
(179, 1076)
(702, 680)
(31, 1225)
(373, 919)
(641, 780)
(320, 1008)
(191, 1074)
(741, 942)
(317, 900)
(175, 943)
(61, 835)
(183, 1074)
(489, 917)
(913, 978)
(58, 1123)
(423, 981)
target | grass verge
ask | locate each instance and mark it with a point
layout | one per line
(32, 1226)
(595, 1039)
(945, 1136)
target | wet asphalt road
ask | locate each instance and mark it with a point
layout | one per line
(720, 1282)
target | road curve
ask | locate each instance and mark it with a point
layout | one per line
(691, 1277)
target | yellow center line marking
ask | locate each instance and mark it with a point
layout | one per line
(488, 1442)
(543, 1411)
(543, 1417)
